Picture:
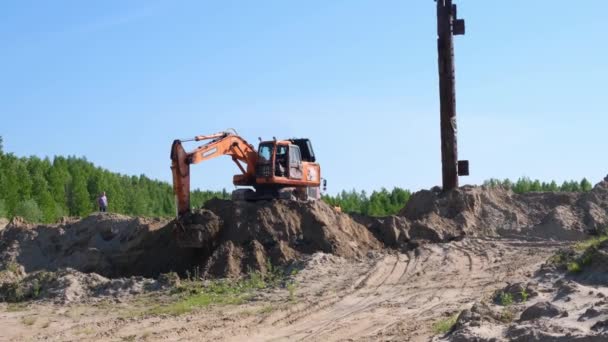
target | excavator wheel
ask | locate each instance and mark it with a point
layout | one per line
(243, 195)
(288, 194)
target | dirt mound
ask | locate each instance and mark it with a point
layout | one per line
(108, 244)
(68, 285)
(235, 237)
(433, 216)
(242, 235)
(484, 211)
(579, 316)
(566, 301)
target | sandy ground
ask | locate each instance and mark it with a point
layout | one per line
(384, 296)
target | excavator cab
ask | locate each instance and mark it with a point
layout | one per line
(283, 159)
(281, 155)
(287, 166)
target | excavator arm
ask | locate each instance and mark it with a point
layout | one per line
(219, 144)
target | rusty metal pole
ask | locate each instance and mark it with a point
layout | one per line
(447, 26)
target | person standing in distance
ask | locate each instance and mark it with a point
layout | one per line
(103, 202)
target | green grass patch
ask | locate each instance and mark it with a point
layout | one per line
(193, 295)
(524, 295)
(445, 325)
(196, 301)
(574, 267)
(580, 255)
(591, 243)
(506, 299)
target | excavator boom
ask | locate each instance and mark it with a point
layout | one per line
(219, 144)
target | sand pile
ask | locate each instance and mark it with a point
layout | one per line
(233, 238)
(69, 285)
(561, 303)
(108, 244)
(483, 211)
(431, 216)
(239, 236)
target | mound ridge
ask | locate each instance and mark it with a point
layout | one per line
(484, 211)
(237, 237)
(245, 235)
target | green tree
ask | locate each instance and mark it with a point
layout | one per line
(3, 209)
(79, 200)
(522, 185)
(43, 197)
(553, 187)
(137, 203)
(58, 178)
(585, 185)
(536, 186)
(379, 203)
(24, 180)
(29, 210)
(525, 184)
(9, 189)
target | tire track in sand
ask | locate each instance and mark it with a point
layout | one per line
(415, 287)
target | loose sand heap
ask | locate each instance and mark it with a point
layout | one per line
(111, 245)
(431, 216)
(559, 304)
(242, 236)
(68, 285)
(237, 237)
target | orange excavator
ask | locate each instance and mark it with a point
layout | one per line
(284, 169)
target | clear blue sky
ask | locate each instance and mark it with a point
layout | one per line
(116, 81)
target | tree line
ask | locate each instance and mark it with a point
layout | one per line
(379, 203)
(525, 184)
(44, 190)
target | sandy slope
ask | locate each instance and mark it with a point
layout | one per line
(379, 297)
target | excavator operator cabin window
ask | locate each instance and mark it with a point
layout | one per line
(281, 151)
(295, 156)
(265, 153)
(281, 161)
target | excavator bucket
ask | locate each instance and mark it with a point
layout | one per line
(180, 167)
